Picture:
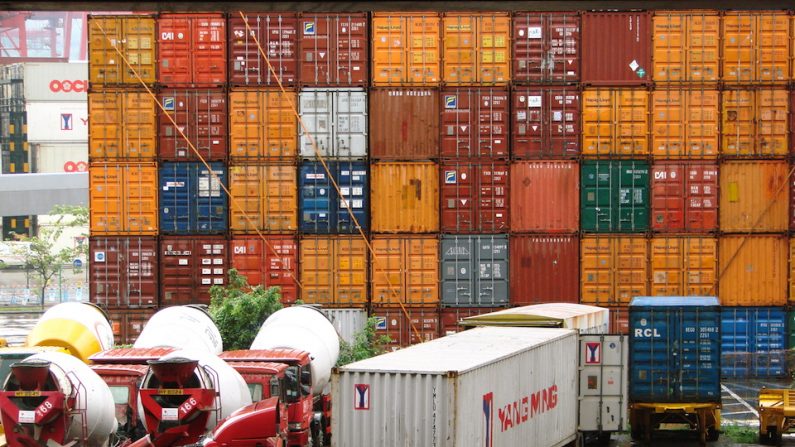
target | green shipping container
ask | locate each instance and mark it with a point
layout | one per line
(614, 196)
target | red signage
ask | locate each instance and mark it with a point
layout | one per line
(57, 86)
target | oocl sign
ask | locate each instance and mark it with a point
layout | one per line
(66, 86)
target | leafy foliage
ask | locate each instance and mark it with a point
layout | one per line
(741, 433)
(366, 344)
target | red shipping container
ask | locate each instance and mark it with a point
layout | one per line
(619, 320)
(545, 122)
(544, 269)
(334, 49)
(393, 323)
(268, 264)
(684, 196)
(277, 34)
(189, 266)
(404, 123)
(475, 123)
(202, 118)
(475, 197)
(127, 324)
(616, 48)
(123, 271)
(191, 50)
(546, 47)
(545, 196)
(450, 316)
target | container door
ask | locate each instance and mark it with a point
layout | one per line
(350, 123)
(492, 271)
(457, 274)
(603, 382)
(316, 198)
(352, 180)
(315, 112)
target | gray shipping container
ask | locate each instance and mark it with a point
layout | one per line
(347, 322)
(474, 271)
(336, 120)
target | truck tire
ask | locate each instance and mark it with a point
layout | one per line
(712, 434)
(638, 433)
(317, 438)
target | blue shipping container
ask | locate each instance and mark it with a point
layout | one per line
(754, 342)
(191, 198)
(322, 210)
(674, 349)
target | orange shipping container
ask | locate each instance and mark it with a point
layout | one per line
(333, 270)
(264, 197)
(683, 266)
(262, 124)
(122, 125)
(685, 123)
(756, 46)
(544, 196)
(405, 270)
(613, 269)
(134, 37)
(476, 48)
(753, 270)
(615, 121)
(123, 199)
(754, 122)
(406, 48)
(792, 271)
(686, 46)
(754, 196)
(405, 197)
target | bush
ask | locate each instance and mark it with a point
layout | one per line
(365, 345)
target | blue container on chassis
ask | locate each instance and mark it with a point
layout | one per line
(753, 342)
(192, 200)
(321, 209)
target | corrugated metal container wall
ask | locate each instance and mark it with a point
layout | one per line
(544, 196)
(686, 46)
(753, 342)
(756, 47)
(392, 322)
(475, 271)
(545, 122)
(133, 36)
(474, 197)
(333, 122)
(614, 196)
(683, 266)
(613, 269)
(59, 157)
(123, 198)
(405, 271)
(406, 48)
(57, 121)
(189, 266)
(201, 116)
(619, 320)
(266, 197)
(754, 196)
(47, 81)
(412, 192)
(449, 317)
(792, 276)
(684, 197)
(684, 123)
(322, 209)
(333, 270)
(546, 47)
(262, 124)
(347, 322)
(334, 48)
(127, 324)
(754, 123)
(191, 50)
(476, 48)
(620, 57)
(404, 124)
(123, 271)
(753, 270)
(192, 199)
(277, 34)
(615, 121)
(269, 262)
(544, 269)
(122, 125)
(475, 123)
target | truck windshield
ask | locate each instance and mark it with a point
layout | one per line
(255, 389)
(292, 389)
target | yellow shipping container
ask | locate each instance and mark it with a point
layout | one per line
(406, 48)
(755, 122)
(756, 46)
(134, 36)
(613, 269)
(683, 266)
(476, 48)
(615, 121)
(753, 270)
(264, 197)
(754, 196)
(685, 123)
(405, 270)
(333, 270)
(262, 124)
(405, 197)
(123, 199)
(686, 46)
(122, 125)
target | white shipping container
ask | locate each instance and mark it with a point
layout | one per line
(483, 387)
(52, 81)
(603, 383)
(60, 157)
(336, 119)
(57, 122)
(581, 317)
(347, 322)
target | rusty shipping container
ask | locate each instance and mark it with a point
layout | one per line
(475, 270)
(191, 50)
(201, 117)
(544, 197)
(753, 270)
(127, 324)
(264, 197)
(262, 124)
(277, 34)
(122, 125)
(756, 47)
(613, 269)
(189, 266)
(474, 197)
(544, 269)
(333, 49)
(270, 261)
(421, 325)
(449, 317)
(333, 270)
(123, 271)
(123, 198)
(615, 122)
(475, 123)
(406, 48)
(619, 320)
(614, 196)
(134, 37)
(791, 181)
(683, 266)
(405, 197)
(476, 48)
(546, 47)
(405, 270)
(684, 197)
(404, 123)
(545, 122)
(684, 123)
(621, 56)
(686, 46)
(754, 196)
(754, 123)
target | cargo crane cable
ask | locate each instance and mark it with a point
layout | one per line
(232, 200)
(392, 289)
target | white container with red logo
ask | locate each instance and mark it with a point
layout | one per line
(58, 121)
(54, 81)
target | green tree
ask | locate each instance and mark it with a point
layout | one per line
(366, 344)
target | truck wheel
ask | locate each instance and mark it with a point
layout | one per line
(638, 433)
(317, 439)
(712, 434)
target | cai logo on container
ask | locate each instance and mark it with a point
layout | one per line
(309, 28)
(450, 101)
